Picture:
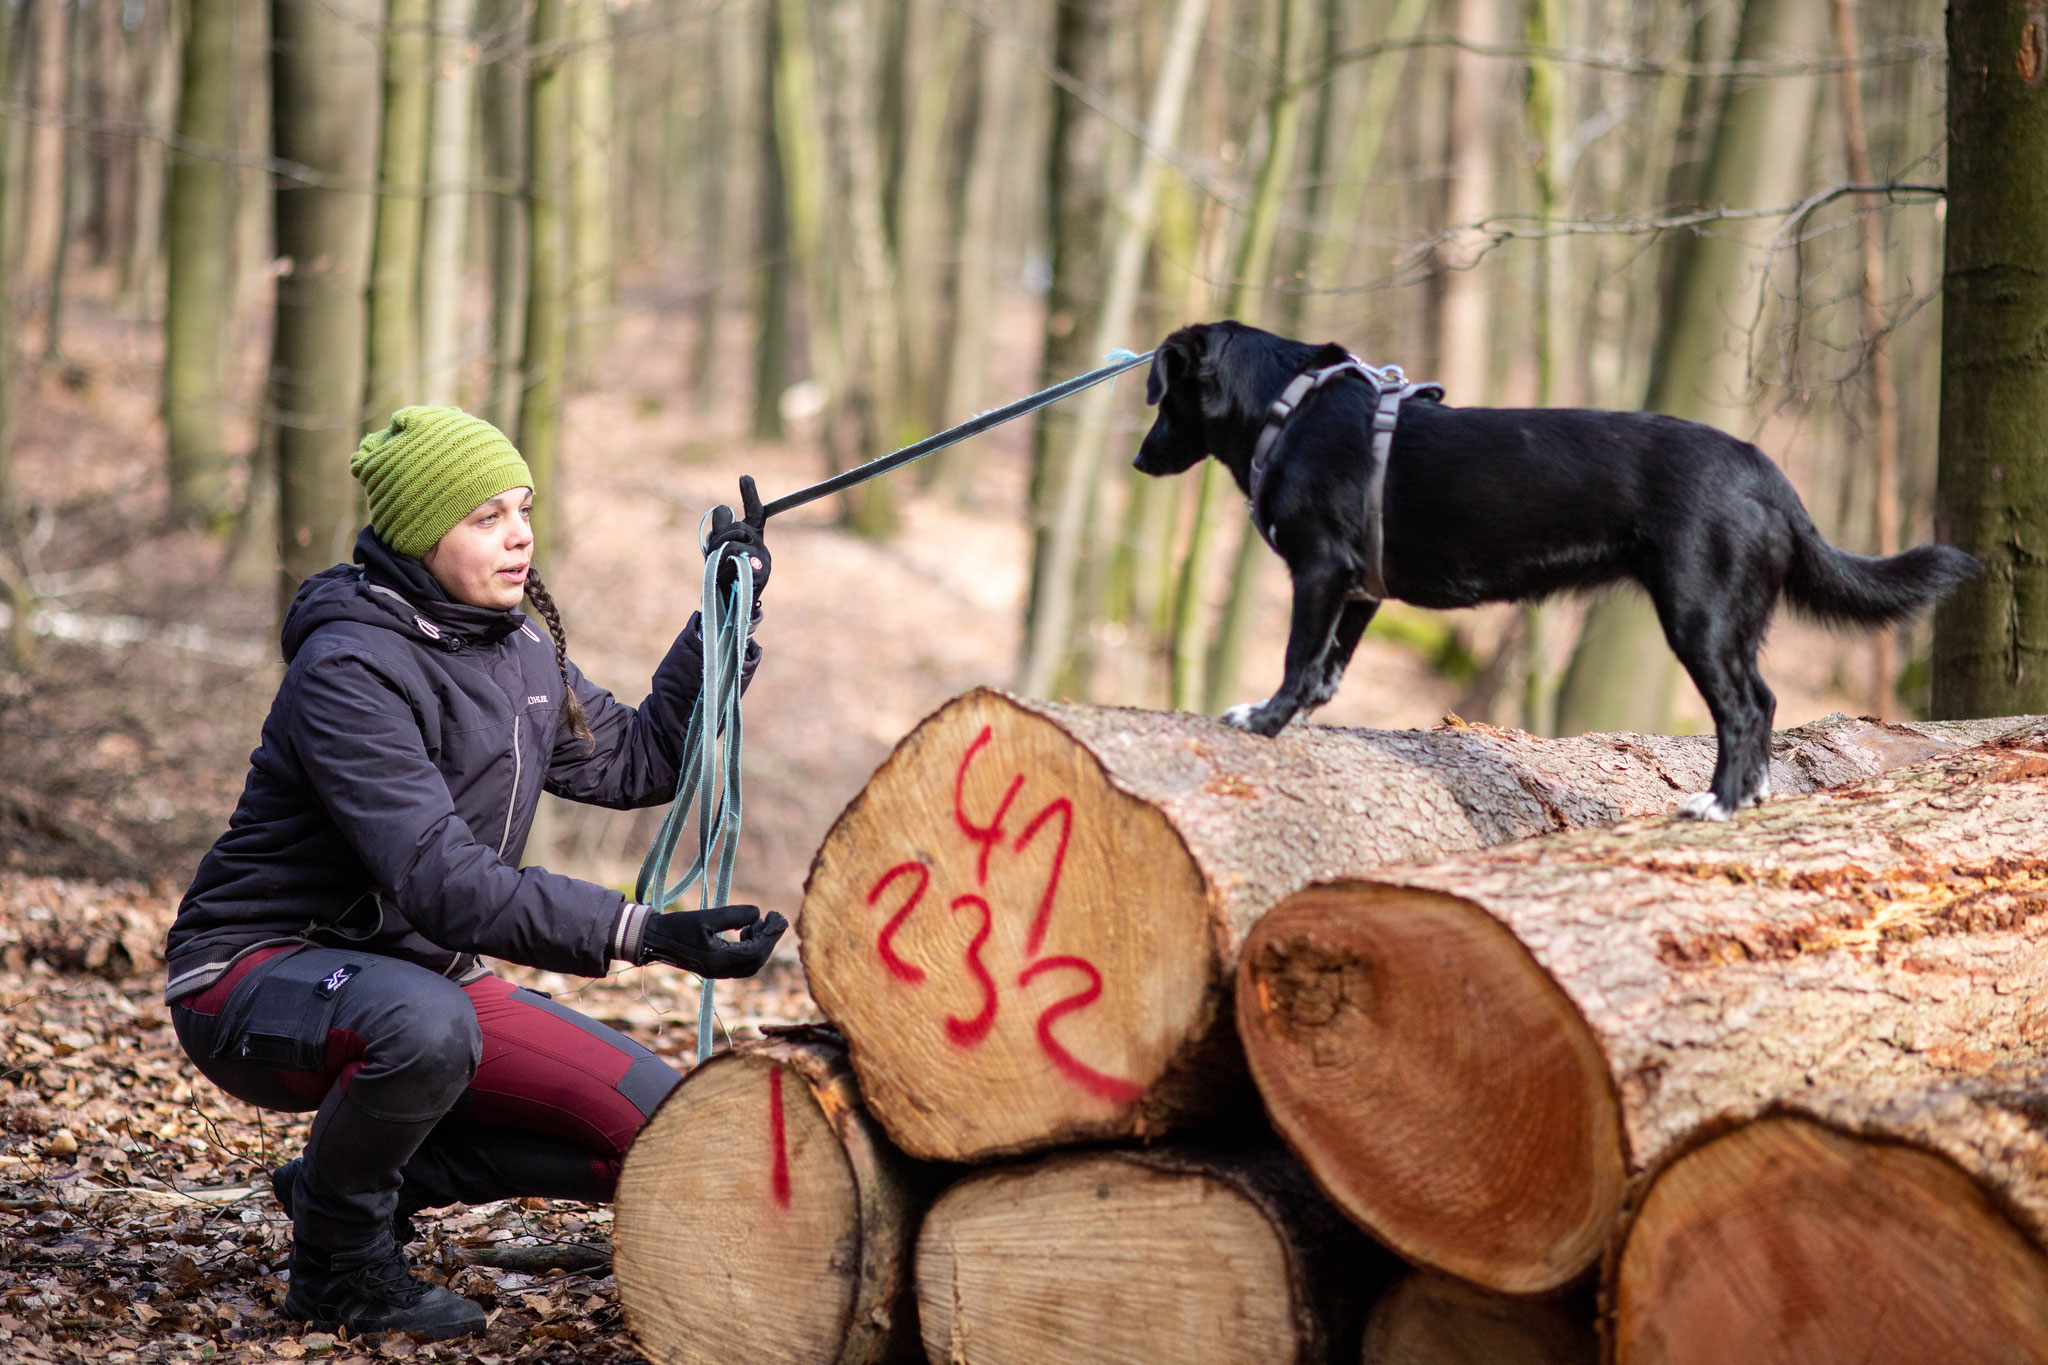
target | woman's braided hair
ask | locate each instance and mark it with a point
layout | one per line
(551, 615)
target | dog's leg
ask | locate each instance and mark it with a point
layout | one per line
(1717, 641)
(1319, 601)
(1357, 615)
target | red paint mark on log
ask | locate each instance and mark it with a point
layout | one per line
(1063, 808)
(1073, 1068)
(884, 941)
(968, 1032)
(778, 1172)
(991, 834)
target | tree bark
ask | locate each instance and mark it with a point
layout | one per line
(760, 1215)
(547, 255)
(1026, 924)
(393, 362)
(323, 78)
(1622, 674)
(590, 181)
(444, 230)
(158, 41)
(1790, 1240)
(773, 288)
(1481, 1058)
(1138, 1257)
(45, 25)
(504, 153)
(198, 287)
(1430, 1319)
(1991, 636)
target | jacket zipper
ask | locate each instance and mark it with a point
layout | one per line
(513, 804)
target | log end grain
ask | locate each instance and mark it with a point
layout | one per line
(760, 1217)
(1135, 1258)
(1019, 952)
(1785, 1240)
(1442, 1089)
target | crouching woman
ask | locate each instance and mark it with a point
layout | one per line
(326, 957)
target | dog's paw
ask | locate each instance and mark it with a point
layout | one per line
(1702, 806)
(1256, 717)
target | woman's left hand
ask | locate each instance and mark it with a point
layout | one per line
(746, 535)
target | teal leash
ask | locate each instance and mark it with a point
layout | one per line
(709, 775)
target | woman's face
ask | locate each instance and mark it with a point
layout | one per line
(484, 557)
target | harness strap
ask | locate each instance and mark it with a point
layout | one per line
(1393, 389)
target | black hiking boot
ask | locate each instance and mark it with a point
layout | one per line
(374, 1292)
(284, 1183)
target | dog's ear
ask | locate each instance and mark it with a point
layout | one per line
(1157, 378)
(1174, 363)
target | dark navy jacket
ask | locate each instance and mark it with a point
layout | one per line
(389, 801)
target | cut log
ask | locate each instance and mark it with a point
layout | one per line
(1026, 924)
(1787, 1242)
(1431, 1319)
(1140, 1258)
(1480, 1057)
(761, 1215)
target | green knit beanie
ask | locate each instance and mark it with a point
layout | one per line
(431, 468)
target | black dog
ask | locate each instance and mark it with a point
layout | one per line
(1499, 504)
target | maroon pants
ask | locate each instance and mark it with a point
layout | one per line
(427, 1093)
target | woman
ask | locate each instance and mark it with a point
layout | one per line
(326, 956)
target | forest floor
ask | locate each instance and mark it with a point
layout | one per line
(135, 1223)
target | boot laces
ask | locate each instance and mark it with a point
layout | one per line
(389, 1281)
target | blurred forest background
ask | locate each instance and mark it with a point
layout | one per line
(664, 242)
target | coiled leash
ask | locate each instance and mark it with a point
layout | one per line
(709, 774)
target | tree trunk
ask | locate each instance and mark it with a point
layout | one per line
(114, 91)
(323, 79)
(1464, 327)
(69, 180)
(198, 285)
(546, 347)
(1991, 636)
(158, 41)
(1013, 863)
(865, 416)
(1481, 1058)
(45, 26)
(1791, 1240)
(1140, 1257)
(1622, 674)
(933, 47)
(1430, 1319)
(504, 150)
(393, 363)
(761, 1216)
(445, 229)
(774, 287)
(590, 181)
(1881, 696)
(1050, 639)
(976, 248)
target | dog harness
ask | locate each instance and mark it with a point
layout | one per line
(1393, 389)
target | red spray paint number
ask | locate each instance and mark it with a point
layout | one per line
(987, 839)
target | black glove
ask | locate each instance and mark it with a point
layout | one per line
(744, 536)
(690, 939)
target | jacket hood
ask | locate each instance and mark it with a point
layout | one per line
(395, 591)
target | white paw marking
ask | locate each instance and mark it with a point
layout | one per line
(1240, 715)
(1702, 806)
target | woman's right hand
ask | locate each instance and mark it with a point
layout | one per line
(693, 939)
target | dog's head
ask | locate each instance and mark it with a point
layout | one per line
(1212, 384)
(1181, 374)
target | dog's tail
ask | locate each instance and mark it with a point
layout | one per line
(1847, 589)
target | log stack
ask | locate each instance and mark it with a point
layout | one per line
(1525, 1066)
(1485, 1059)
(1028, 921)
